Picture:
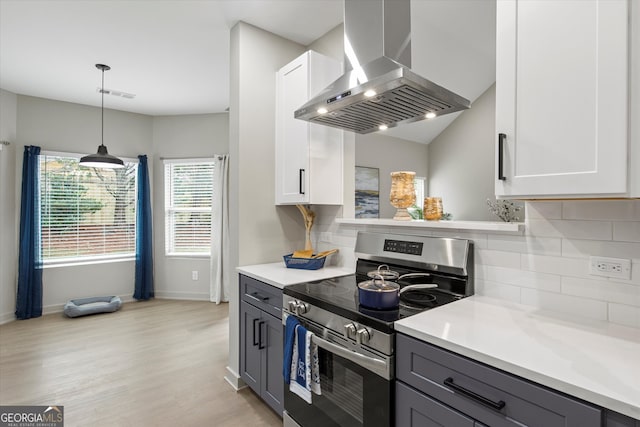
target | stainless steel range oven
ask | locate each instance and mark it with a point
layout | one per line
(356, 343)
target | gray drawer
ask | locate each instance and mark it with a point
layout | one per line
(259, 294)
(462, 384)
(415, 409)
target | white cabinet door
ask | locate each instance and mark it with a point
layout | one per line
(292, 136)
(562, 98)
(308, 156)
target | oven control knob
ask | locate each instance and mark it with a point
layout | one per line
(363, 336)
(292, 305)
(350, 330)
(302, 308)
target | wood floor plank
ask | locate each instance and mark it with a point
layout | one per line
(153, 363)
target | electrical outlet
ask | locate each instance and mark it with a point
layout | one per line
(617, 268)
(194, 275)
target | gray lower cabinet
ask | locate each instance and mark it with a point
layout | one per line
(261, 340)
(614, 419)
(447, 389)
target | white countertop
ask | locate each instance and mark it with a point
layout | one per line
(276, 274)
(595, 361)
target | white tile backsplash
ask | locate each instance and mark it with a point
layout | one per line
(526, 244)
(585, 248)
(571, 229)
(547, 266)
(568, 304)
(626, 231)
(624, 315)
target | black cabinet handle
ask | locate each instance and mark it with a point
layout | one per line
(258, 297)
(474, 396)
(260, 345)
(254, 332)
(301, 181)
(501, 138)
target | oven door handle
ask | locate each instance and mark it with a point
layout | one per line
(377, 366)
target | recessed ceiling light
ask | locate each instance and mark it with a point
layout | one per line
(322, 110)
(383, 127)
(430, 115)
(370, 93)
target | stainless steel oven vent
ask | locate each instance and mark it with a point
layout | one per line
(383, 92)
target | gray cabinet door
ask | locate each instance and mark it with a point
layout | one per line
(614, 419)
(415, 409)
(272, 382)
(250, 354)
(488, 395)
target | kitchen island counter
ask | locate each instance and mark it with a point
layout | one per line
(595, 361)
(276, 274)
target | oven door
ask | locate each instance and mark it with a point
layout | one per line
(352, 395)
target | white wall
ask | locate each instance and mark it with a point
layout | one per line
(192, 136)
(8, 210)
(259, 232)
(548, 266)
(461, 161)
(390, 154)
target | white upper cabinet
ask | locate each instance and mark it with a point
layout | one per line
(309, 157)
(563, 99)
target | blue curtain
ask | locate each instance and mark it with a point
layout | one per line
(29, 292)
(144, 246)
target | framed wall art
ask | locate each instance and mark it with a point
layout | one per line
(367, 192)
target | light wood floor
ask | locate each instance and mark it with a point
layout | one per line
(156, 363)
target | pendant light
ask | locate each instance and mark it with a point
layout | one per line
(102, 159)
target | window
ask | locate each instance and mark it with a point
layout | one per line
(86, 214)
(188, 189)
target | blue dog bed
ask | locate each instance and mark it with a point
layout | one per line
(93, 305)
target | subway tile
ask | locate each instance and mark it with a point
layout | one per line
(568, 304)
(517, 277)
(624, 315)
(571, 229)
(548, 210)
(626, 231)
(604, 290)
(585, 248)
(498, 290)
(612, 210)
(497, 258)
(526, 244)
(575, 267)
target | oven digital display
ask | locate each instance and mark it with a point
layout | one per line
(402, 247)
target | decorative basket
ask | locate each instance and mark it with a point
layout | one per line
(304, 263)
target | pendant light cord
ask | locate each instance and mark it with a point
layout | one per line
(102, 107)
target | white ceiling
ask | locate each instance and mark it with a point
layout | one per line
(174, 55)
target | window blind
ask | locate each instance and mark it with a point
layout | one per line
(188, 195)
(86, 213)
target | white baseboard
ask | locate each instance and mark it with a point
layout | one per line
(234, 379)
(7, 317)
(190, 296)
(52, 309)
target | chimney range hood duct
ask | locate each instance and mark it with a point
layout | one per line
(383, 92)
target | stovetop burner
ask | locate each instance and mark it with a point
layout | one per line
(418, 299)
(448, 262)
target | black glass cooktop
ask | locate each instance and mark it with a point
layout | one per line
(340, 296)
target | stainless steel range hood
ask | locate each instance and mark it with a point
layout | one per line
(383, 92)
